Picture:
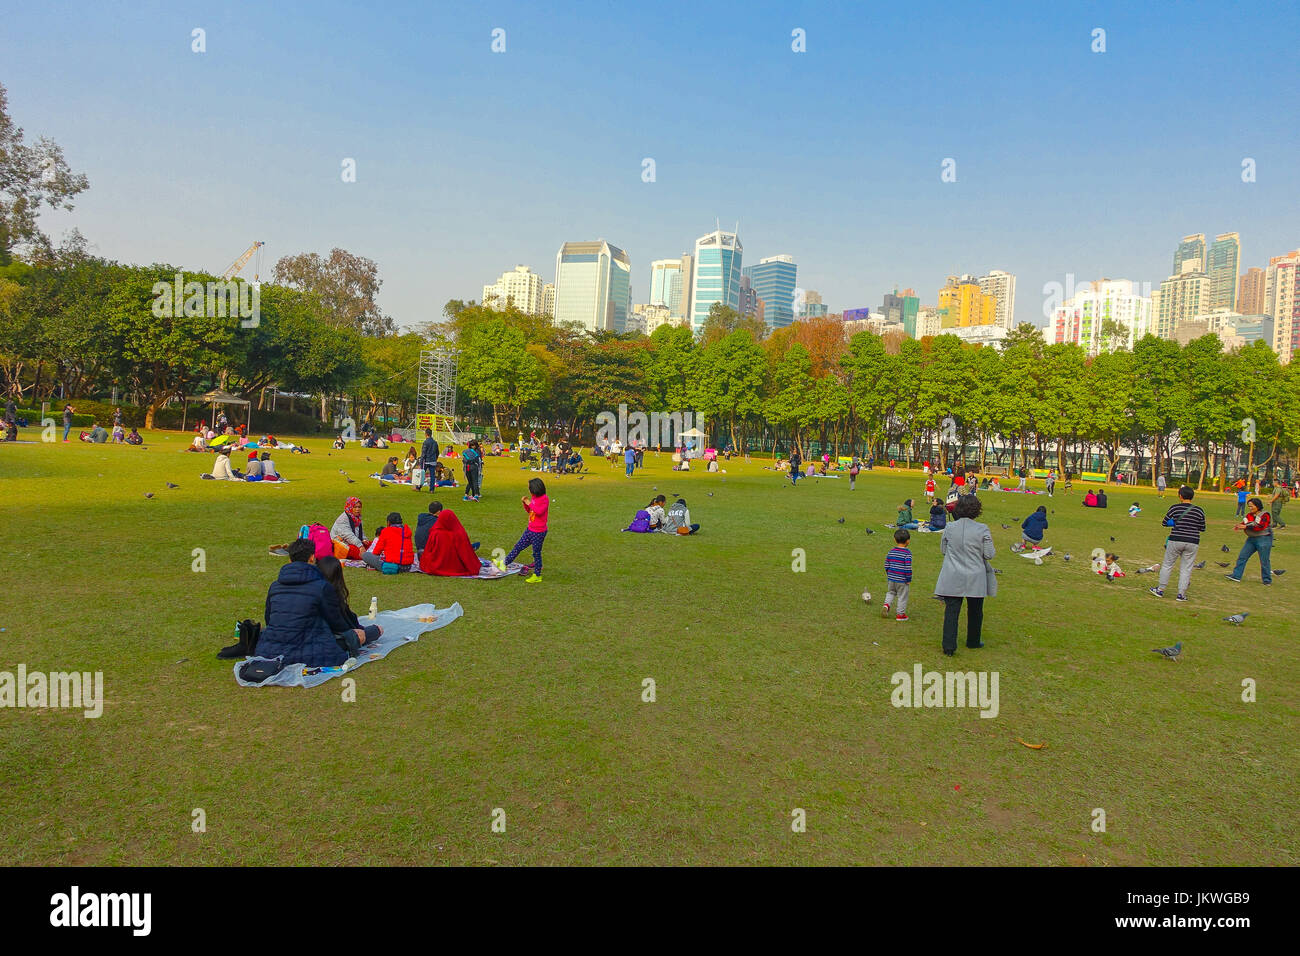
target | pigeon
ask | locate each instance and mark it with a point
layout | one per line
(841, 521)
(1236, 620)
(1224, 549)
(1277, 571)
(1066, 556)
(1199, 567)
(350, 481)
(997, 571)
(580, 477)
(1224, 564)
(710, 494)
(367, 457)
(869, 531)
(1169, 653)
(148, 494)
(170, 485)
(1112, 539)
(1005, 527)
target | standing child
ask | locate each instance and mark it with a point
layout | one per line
(929, 487)
(853, 472)
(537, 505)
(1241, 500)
(898, 575)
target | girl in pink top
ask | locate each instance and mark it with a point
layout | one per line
(537, 505)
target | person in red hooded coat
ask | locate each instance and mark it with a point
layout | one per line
(448, 551)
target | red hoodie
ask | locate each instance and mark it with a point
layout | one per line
(395, 545)
(448, 551)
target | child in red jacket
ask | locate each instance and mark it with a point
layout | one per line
(393, 550)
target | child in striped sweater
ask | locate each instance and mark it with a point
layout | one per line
(898, 575)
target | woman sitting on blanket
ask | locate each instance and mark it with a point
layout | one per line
(221, 469)
(331, 569)
(269, 472)
(390, 468)
(346, 532)
(410, 461)
(448, 551)
(254, 468)
(442, 476)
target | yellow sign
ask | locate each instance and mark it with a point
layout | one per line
(440, 424)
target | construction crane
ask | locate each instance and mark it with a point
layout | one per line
(242, 261)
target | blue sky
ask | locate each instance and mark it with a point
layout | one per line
(469, 161)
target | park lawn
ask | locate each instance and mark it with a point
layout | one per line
(772, 686)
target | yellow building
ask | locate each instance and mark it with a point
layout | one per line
(963, 304)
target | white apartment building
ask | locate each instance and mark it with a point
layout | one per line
(1282, 302)
(1082, 320)
(1002, 286)
(521, 288)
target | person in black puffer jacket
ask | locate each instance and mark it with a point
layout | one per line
(302, 614)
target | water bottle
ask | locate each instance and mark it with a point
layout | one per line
(374, 607)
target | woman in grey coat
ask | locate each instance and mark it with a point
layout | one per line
(967, 548)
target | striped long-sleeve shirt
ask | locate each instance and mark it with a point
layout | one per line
(898, 565)
(1186, 521)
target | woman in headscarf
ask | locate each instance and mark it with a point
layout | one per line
(448, 551)
(348, 535)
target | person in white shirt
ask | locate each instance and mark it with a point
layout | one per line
(221, 469)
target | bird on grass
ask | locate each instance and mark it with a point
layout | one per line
(869, 531)
(1005, 527)
(1112, 539)
(1066, 556)
(350, 481)
(367, 457)
(710, 494)
(170, 485)
(148, 494)
(1275, 571)
(1169, 653)
(1224, 564)
(1236, 620)
(1199, 567)
(841, 521)
(580, 477)
(1224, 549)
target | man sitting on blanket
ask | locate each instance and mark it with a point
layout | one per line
(303, 616)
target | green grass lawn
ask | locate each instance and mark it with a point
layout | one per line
(773, 687)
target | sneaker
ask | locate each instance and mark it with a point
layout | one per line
(533, 579)
(1232, 579)
(1158, 592)
(901, 617)
(884, 610)
(465, 498)
(475, 544)
(1181, 597)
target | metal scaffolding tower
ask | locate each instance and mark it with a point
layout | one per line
(435, 397)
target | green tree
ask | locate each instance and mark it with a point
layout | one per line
(496, 367)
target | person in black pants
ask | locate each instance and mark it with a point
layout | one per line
(428, 458)
(967, 547)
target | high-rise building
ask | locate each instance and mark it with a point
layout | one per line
(963, 303)
(1002, 286)
(813, 306)
(749, 299)
(717, 274)
(548, 299)
(1224, 258)
(1282, 302)
(521, 287)
(670, 284)
(1250, 292)
(1191, 248)
(593, 285)
(1181, 296)
(929, 321)
(1103, 316)
(774, 281)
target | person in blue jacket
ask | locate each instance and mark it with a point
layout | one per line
(1032, 530)
(303, 616)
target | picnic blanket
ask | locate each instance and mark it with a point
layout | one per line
(487, 571)
(401, 627)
